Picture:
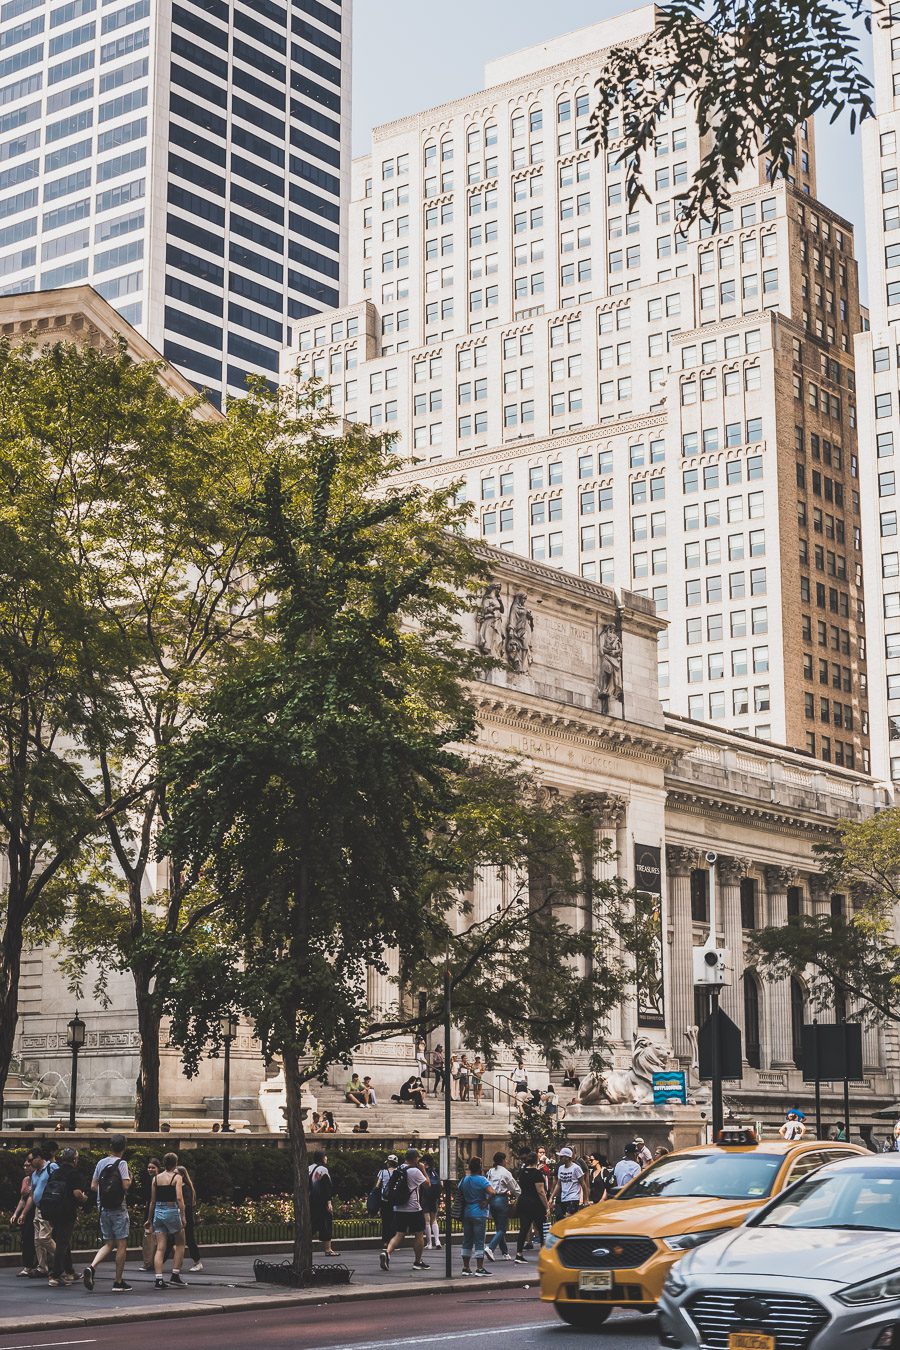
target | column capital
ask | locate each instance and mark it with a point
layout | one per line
(605, 808)
(780, 878)
(681, 860)
(819, 887)
(731, 870)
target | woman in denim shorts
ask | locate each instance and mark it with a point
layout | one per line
(167, 1210)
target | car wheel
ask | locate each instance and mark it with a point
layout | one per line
(586, 1319)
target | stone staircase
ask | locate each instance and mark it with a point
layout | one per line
(390, 1120)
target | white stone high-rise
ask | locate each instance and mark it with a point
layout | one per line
(878, 362)
(673, 415)
(188, 158)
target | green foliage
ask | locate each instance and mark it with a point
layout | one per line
(752, 72)
(532, 1128)
(854, 955)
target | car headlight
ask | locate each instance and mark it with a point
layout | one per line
(675, 1284)
(686, 1242)
(551, 1239)
(873, 1291)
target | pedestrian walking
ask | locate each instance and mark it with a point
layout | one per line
(627, 1167)
(190, 1231)
(534, 1205)
(794, 1126)
(386, 1208)
(519, 1080)
(111, 1183)
(404, 1191)
(476, 1078)
(598, 1177)
(321, 1209)
(63, 1195)
(421, 1059)
(431, 1200)
(167, 1201)
(506, 1192)
(570, 1190)
(154, 1166)
(839, 1132)
(476, 1192)
(43, 1168)
(437, 1066)
(22, 1218)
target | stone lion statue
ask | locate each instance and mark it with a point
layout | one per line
(634, 1085)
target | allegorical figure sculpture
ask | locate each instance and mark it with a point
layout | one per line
(489, 621)
(610, 681)
(519, 633)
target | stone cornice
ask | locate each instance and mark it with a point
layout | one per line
(589, 731)
(568, 583)
(780, 820)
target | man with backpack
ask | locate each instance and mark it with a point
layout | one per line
(321, 1190)
(62, 1196)
(111, 1183)
(402, 1193)
(42, 1170)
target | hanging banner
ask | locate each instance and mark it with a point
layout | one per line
(669, 1088)
(648, 878)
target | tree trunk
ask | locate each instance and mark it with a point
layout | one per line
(299, 1158)
(146, 1106)
(10, 964)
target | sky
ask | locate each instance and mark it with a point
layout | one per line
(409, 55)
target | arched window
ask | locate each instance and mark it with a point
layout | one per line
(798, 1009)
(430, 154)
(517, 125)
(446, 149)
(564, 110)
(535, 118)
(751, 1020)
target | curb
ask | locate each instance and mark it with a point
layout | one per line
(254, 1304)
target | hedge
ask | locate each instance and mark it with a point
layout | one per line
(222, 1172)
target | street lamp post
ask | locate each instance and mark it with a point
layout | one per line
(75, 1032)
(228, 1027)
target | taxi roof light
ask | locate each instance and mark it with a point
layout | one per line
(737, 1136)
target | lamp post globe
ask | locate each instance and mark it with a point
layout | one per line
(228, 1030)
(76, 1031)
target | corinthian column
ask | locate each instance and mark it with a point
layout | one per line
(608, 812)
(778, 993)
(731, 873)
(680, 862)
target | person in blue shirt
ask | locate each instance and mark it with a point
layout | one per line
(44, 1246)
(476, 1192)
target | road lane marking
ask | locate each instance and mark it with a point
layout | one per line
(437, 1339)
(45, 1345)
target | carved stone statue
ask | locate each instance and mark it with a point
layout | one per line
(634, 1085)
(489, 621)
(519, 633)
(610, 681)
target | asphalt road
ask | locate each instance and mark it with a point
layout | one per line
(484, 1321)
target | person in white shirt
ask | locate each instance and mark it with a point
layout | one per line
(519, 1080)
(627, 1167)
(793, 1127)
(409, 1216)
(644, 1156)
(506, 1191)
(570, 1190)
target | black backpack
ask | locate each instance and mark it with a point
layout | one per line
(396, 1192)
(109, 1186)
(55, 1202)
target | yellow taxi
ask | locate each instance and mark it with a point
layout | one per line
(617, 1254)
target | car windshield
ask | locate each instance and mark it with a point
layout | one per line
(720, 1176)
(846, 1199)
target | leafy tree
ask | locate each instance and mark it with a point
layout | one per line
(328, 800)
(81, 435)
(193, 602)
(854, 955)
(752, 71)
(532, 1129)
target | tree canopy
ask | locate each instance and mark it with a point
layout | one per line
(752, 71)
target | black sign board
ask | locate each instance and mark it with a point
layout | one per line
(832, 1051)
(729, 1047)
(648, 879)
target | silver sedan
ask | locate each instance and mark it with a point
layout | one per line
(817, 1269)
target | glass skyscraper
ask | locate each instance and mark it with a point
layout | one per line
(187, 159)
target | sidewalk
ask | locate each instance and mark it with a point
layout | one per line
(226, 1283)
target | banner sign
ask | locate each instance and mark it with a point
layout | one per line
(648, 878)
(669, 1088)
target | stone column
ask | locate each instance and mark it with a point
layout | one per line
(680, 862)
(778, 992)
(731, 873)
(608, 812)
(487, 893)
(382, 990)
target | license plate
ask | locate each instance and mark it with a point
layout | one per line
(750, 1340)
(602, 1279)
